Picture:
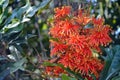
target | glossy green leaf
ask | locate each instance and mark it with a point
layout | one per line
(18, 13)
(32, 10)
(3, 5)
(12, 28)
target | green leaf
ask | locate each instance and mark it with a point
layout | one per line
(112, 63)
(32, 10)
(5, 3)
(9, 19)
(13, 66)
(116, 59)
(30, 36)
(48, 64)
(44, 27)
(116, 78)
(104, 73)
(65, 77)
(17, 65)
(20, 40)
(78, 76)
(18, 13)
(1, 2)
(12, 28)
(4, 73)
(108, 61)
(18, 47)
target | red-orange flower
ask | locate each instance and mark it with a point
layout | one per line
(62, 12)
(82, 18)
(81, 64)
(64, 29)
(75, 43)
(58, 48)
(98, 21)
(54, 70)
(100, 35)
(79, 44)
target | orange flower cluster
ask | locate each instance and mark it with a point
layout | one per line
(76, 41)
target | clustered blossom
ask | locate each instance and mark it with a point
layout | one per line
(75, 43)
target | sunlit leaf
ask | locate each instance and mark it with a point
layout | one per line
(65, 77)
(18, 13)
(5, 3)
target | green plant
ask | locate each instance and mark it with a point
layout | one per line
(13, 37)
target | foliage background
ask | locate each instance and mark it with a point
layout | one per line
(24, 39)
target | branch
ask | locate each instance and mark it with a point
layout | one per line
(43, 50)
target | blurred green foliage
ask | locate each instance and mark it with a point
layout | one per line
(22, 45)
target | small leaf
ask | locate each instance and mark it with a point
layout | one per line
(65, 77)
(17, 65)
(44, 27)
(48, 64)
(4, 73)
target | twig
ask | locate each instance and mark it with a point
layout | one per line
(43, 50)
(32, 73)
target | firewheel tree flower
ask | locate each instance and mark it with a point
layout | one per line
(75, 43)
